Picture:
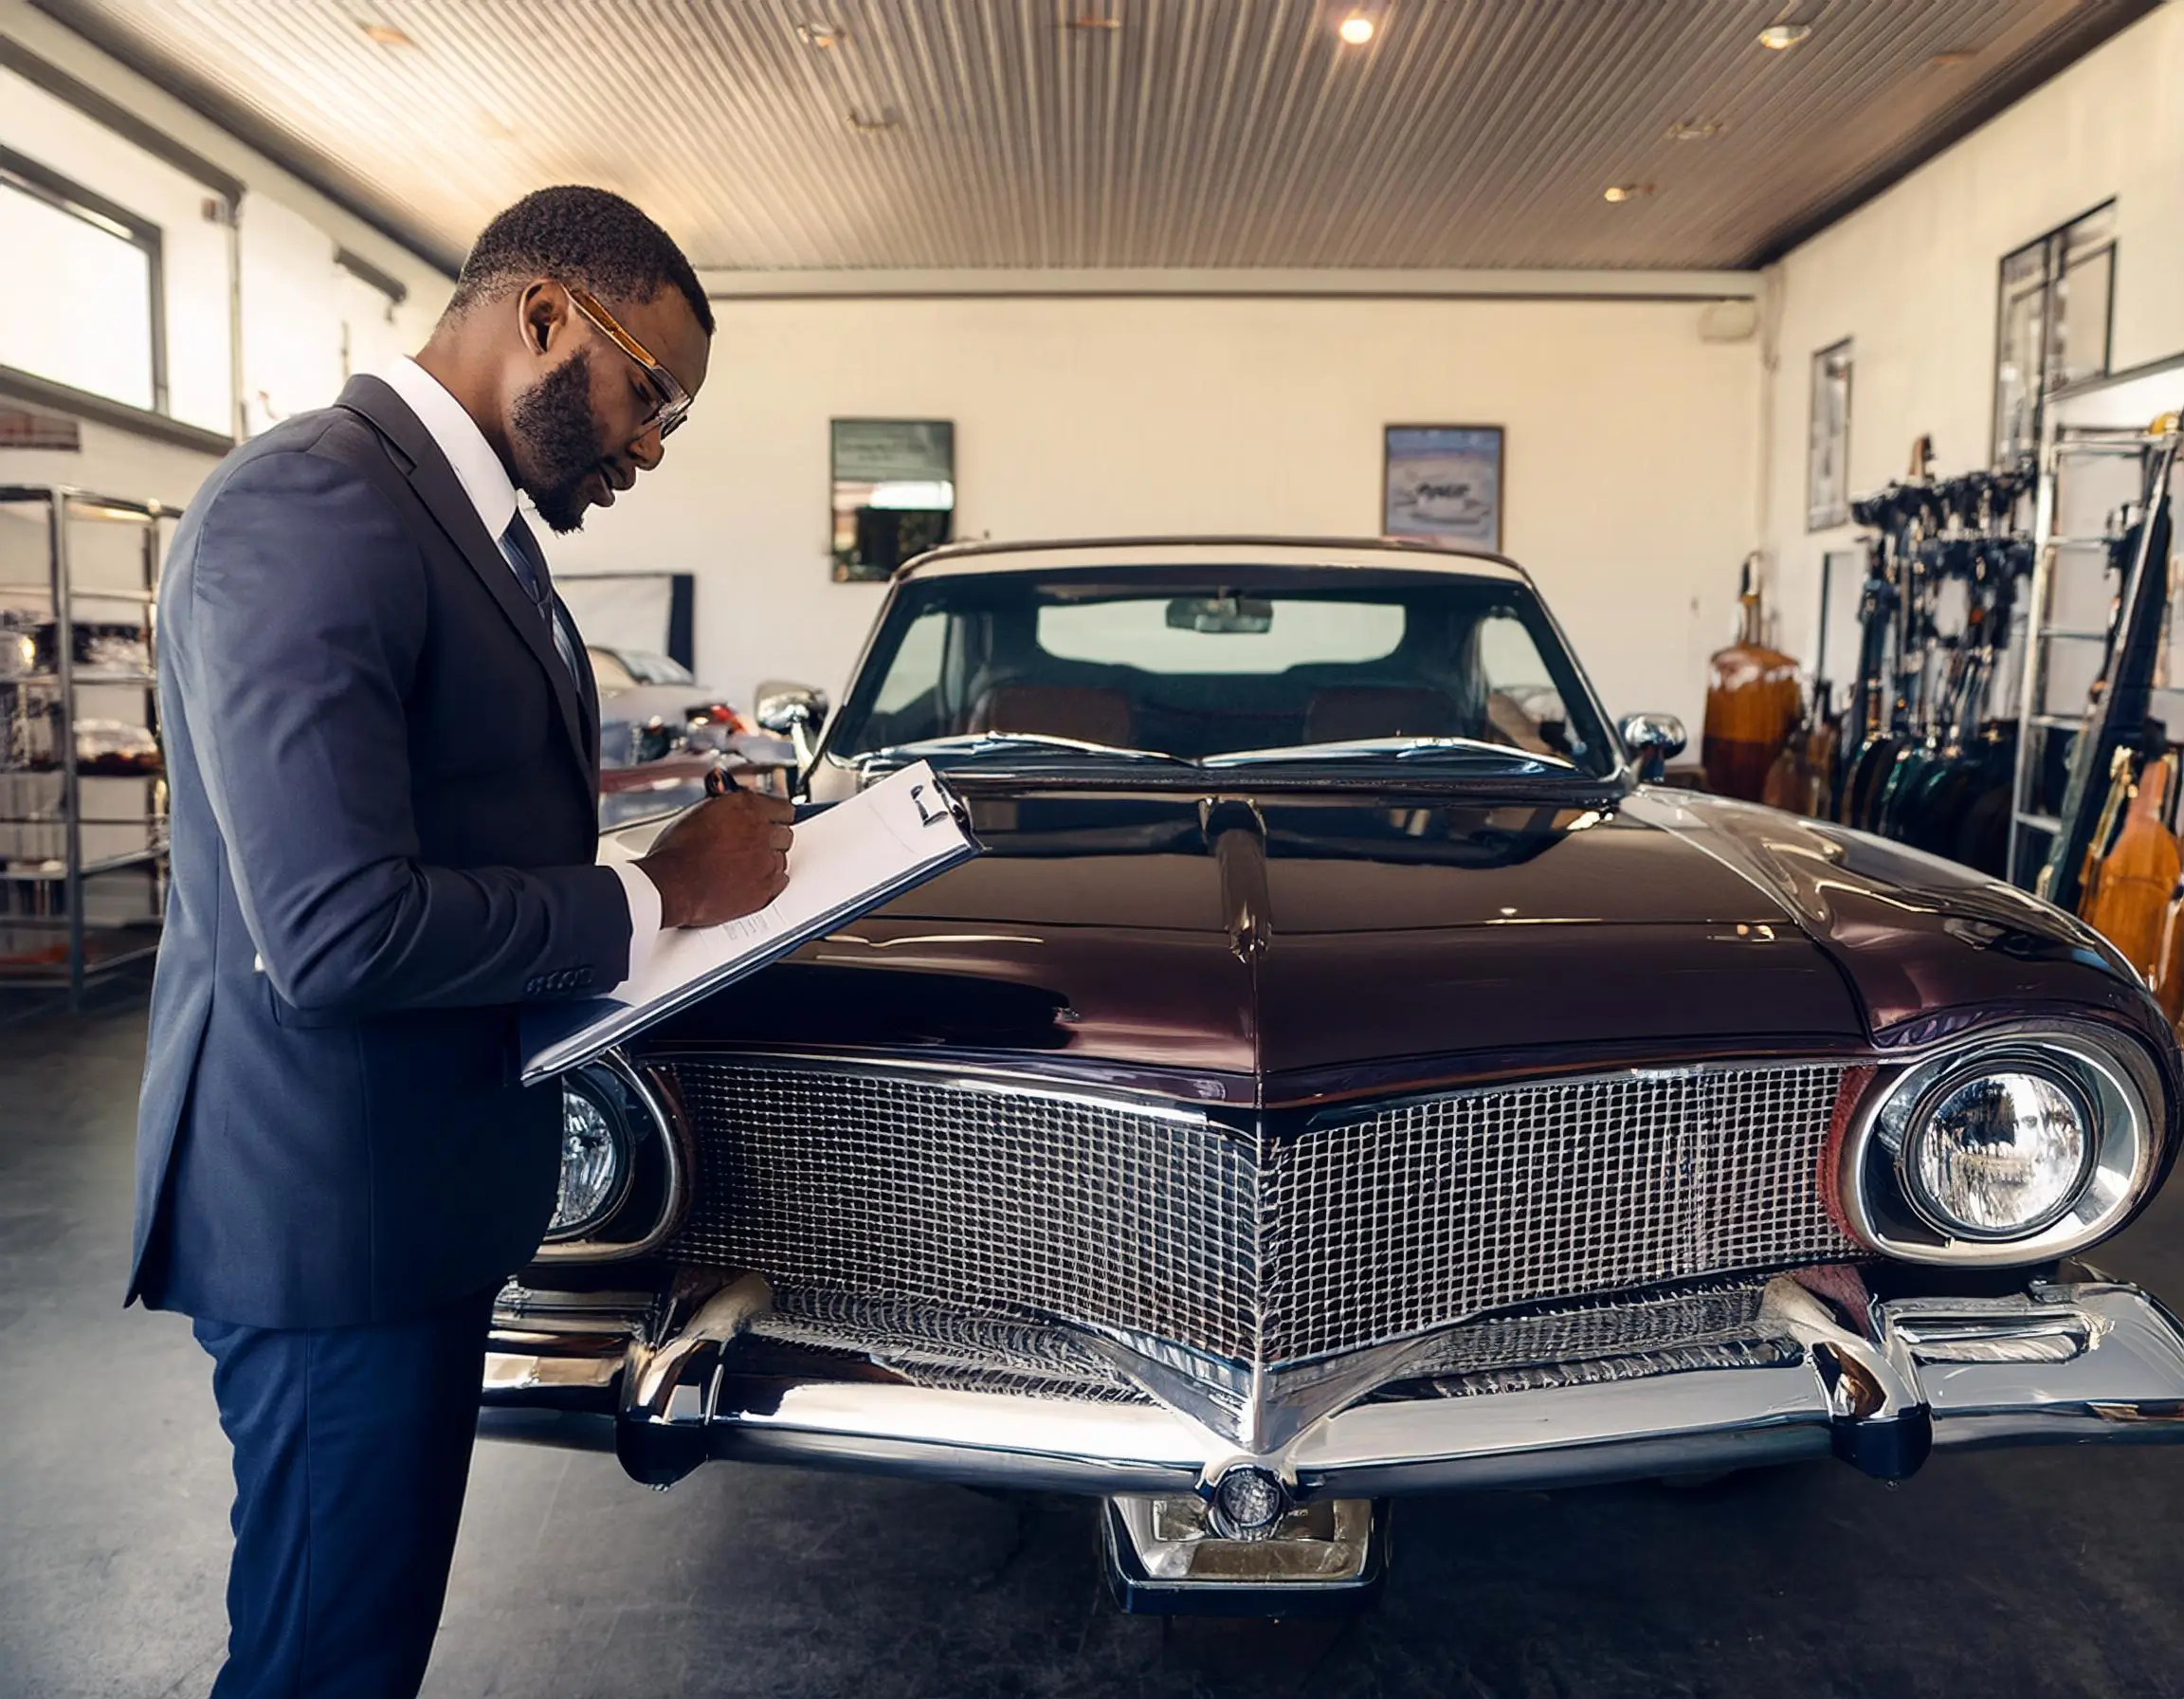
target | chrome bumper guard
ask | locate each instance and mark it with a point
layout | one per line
(2067, 1361)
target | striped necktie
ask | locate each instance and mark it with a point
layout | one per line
(529, 565)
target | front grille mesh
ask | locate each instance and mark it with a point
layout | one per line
(995, 1200)
(1034, 1202)
(1418, 1215)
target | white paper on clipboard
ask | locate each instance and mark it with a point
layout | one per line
(844, 862)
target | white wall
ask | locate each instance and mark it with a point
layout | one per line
(1630, 480)
(1912, 277)
(113, 463)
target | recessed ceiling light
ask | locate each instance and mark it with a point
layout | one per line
(1691, 131)
(1783, 36)
(1619, 192)
(1091, 22)
(821, 35)
(385, 34)
(1356, 29)
(868, 125)
(1953, 55)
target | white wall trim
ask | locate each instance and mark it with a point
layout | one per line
(1233, 284)
(70, 52)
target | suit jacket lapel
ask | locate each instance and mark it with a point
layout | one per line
(444, 497)
(566, 641)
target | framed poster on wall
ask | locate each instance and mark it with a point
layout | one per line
(1827, 447)
(1442, 482)
(893, 493)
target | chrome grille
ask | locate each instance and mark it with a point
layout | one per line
(991, 1199)
(1423, 1213)
(1032, 1201)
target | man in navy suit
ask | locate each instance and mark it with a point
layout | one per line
(382, 743)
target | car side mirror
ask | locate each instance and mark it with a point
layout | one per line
(794, 711)
(1654, 740)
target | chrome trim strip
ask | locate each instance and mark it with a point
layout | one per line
(2091, 1360)
(1352, 1110)
(1010, 1081)
(511, 1372)
(1519, 1437)
(1995, 1374)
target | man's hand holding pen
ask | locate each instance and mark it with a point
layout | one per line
(723, 859)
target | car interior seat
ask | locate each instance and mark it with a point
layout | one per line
(1089, 713)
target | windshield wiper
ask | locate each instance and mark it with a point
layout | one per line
(980, 746)
(1469, 752)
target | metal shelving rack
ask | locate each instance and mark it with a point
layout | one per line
(2055, 558)
(2095, 440)
(62, 923)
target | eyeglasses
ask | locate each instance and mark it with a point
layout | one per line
(674, 400)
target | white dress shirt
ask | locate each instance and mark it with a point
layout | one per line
(485, 480)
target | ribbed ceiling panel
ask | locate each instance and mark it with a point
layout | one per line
(946, 134)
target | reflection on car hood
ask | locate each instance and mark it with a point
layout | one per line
(1307, 946)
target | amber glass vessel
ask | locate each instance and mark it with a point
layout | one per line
(1751, 706)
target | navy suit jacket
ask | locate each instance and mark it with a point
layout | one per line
(384, 791)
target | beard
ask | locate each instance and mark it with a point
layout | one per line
(557, 442)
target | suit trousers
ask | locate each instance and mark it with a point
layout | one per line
(352, 1451)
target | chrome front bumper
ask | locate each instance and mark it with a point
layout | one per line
(2069, 1362)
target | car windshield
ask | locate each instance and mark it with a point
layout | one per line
(1241, 667)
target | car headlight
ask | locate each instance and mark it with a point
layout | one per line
(2020, 1148)
(595, 1159)
(1998, 1154)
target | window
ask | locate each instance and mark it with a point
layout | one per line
(919, 659)
(1524, 703)
(1147, 633)
(1195, 664)
(2052, 324)
(102, 332)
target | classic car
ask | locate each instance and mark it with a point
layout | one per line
(660, 732)
(1341, 1078)
(650, 706)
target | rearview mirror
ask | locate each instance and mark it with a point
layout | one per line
(794, 711)
(1220, 613)
(1654, 740)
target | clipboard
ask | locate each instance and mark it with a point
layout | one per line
(848, 859)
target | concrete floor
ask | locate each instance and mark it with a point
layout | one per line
(2054, 1572)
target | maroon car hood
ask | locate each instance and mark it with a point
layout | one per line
(1287, 944)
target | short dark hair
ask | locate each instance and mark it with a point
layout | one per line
(580, 236)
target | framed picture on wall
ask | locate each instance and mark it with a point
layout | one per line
(893, 493)
(1442, 482)
(1827, 452)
